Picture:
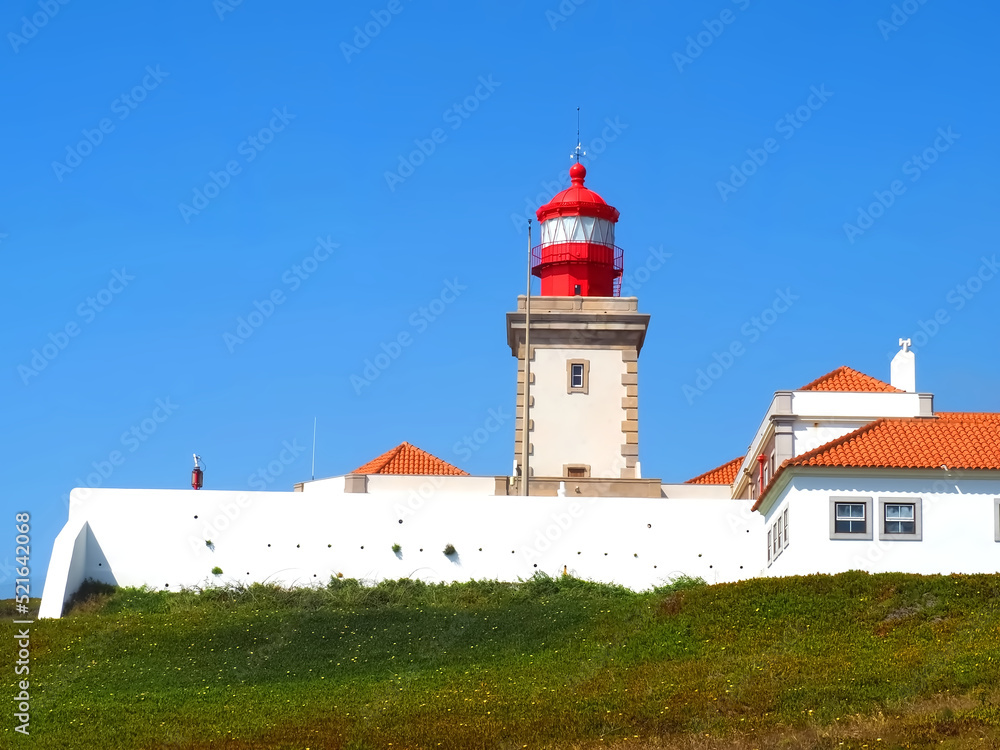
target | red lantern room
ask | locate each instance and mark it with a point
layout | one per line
(577, 253)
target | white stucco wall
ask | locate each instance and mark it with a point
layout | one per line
(697, 491)
(152, 537)
(846, 404)
(958, 534)
(577, 428)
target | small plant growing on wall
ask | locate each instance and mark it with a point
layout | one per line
(210, 544)
(216, 571)
(449, 550)
(397, 548)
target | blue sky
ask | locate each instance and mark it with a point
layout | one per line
(805, 181)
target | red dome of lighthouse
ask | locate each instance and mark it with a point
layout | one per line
(577, 253)
(577, 199)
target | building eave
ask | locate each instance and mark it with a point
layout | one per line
(774, 492)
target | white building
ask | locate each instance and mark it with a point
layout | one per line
(847, 472)
(851, 473)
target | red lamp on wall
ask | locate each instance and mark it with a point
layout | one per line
(197, 475)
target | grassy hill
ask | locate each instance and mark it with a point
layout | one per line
(825, 661)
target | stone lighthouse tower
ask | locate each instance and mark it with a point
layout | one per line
(583, 418)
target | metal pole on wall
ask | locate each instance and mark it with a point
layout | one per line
(314, 450)
(525, 470)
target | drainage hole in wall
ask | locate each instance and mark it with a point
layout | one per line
(480, 549)
(579, 553)
(269, 545)
(297, 546)
(99, 565)
(605, 554)
(196, 516)
(328, 546)
(654, 566)
(649, 525)
(421, 549)
(699, 554)
(536, 565)
(400, 520)
(635, 555)
(362, 546)
(741, 567)
(711, 566)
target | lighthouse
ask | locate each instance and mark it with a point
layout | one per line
(585, 339)
(577, 253)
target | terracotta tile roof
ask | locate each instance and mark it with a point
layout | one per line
(958, 440)
(846, 379)
(724, 474)
(409, 459)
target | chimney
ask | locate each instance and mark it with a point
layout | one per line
(903, 371)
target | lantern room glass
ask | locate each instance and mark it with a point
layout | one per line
(561, 229)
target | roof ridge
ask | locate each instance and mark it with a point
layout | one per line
(844, 370)
(411, 457)
(821, 378)
(381, 461)
(720, 467)
(969, 414)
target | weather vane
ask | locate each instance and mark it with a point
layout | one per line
(578, 152)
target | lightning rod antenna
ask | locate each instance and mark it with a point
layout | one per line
(314, 451)
(578, 152)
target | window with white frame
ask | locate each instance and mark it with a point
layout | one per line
(851, 518)
(777, 536)
(900, 519)
(578, 376)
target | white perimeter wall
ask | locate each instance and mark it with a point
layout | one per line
(959, 528)
(153, 537)
(577, 428)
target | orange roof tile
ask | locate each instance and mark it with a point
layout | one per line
(724, 474)
(957, 440)
(846, 379)
(409, 459)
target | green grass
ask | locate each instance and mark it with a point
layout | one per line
(822, 661)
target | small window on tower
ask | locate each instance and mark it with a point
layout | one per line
(576, 471)
(577, 376)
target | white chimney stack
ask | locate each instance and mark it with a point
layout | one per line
(903, 370)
